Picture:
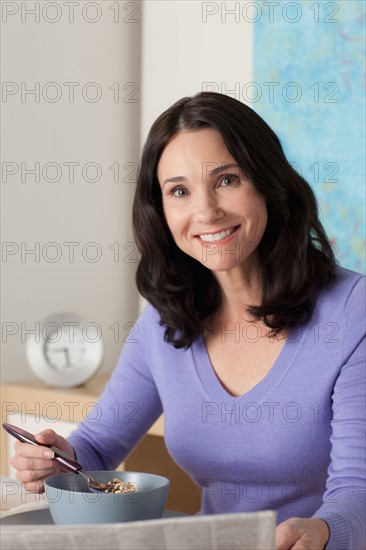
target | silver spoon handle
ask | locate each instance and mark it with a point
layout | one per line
(60, 456)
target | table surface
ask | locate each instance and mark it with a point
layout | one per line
(43, 517)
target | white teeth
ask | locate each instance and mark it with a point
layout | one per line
(212, 237)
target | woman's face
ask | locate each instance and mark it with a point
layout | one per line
(213, 211)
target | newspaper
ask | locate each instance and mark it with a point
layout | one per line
(244, 531)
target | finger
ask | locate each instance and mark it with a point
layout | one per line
(32, 476)
(34, 487)
(302, 545)
(285, 536)
(33, 451)
(47, 437)
(28, 463)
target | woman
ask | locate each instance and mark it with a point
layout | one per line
(251, 342)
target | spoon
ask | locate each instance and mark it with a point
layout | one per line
(60, 457)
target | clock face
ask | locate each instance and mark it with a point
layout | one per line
(66, 352)
(63, 355)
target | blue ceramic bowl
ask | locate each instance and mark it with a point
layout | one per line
(71, 502)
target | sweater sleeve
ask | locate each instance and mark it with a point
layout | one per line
(126, 409)
(343, 506)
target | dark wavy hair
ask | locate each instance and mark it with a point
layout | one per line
(295, 257)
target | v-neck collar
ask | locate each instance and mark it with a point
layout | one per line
(216, 390)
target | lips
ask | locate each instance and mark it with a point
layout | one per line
(218, 235)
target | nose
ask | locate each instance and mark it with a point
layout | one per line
(207, 208)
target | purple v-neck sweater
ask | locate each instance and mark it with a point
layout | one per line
(295, 443)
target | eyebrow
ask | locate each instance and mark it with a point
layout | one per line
(213, 172)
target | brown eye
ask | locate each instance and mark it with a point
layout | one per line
(179, 192)
(228, 180)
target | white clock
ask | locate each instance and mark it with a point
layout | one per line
(65, 350)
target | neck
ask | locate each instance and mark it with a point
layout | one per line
(239, 288)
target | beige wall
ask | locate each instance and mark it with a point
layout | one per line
(102, 132)
(180, 53)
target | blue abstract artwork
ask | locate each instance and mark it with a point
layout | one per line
(309, 86)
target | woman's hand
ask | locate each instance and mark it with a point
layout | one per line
(302, 534)
(33, 463)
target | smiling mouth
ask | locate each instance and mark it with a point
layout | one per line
(219, 236)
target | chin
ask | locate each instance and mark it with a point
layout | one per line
(220, 268)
